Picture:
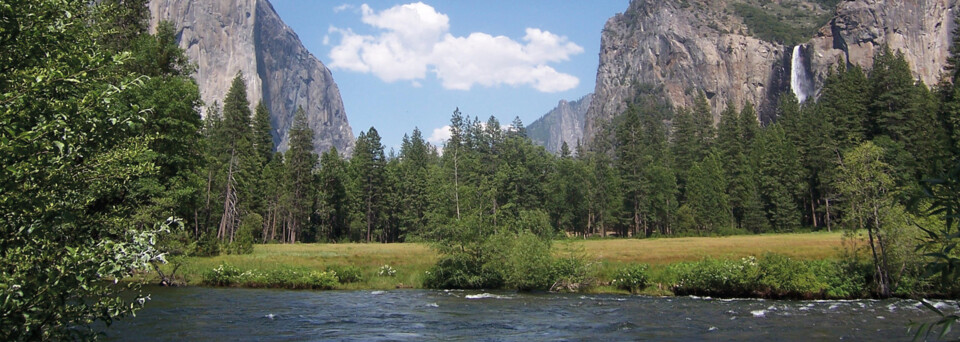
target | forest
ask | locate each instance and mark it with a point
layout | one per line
(109, 169)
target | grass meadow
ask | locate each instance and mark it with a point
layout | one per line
(412, 260)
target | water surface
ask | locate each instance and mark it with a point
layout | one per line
(205, 314)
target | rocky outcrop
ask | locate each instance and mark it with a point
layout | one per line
(683, 49)
(226, 36)
(565, 123)
(920, 29)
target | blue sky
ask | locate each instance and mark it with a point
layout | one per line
(401, 65)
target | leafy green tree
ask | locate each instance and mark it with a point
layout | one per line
(867, 185)
(68, 152)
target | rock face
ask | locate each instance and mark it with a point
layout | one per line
(226, 36)
(565, 123)
(921, 29)
(682, 49)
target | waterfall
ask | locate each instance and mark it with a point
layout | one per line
(799, 78)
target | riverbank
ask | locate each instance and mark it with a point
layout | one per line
(389, 266)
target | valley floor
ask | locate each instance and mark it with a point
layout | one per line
(412, 260)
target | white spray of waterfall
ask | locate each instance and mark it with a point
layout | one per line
(799, 79)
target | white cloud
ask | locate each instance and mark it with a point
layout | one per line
(414, 39)
(439, 136)
(342, 8)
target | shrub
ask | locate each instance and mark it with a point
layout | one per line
(288, 278)
(460, 271)
(780, 276)
(387, 271)
(207, 245)
(223, 275)
(346, 273)
(570, 274)
(632, 278)
(523, 260)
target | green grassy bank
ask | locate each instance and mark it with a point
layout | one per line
(410, 261)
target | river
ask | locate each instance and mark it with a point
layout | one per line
(226, 314)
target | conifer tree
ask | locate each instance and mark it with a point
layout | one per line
(263, 139)
(334, 201)
(300, 162)
(239, 159)
(707, 195)
(892, 111)
(368, 170)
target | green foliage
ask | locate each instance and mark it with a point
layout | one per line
(287, 278)
(706, 194)
(776, 22)
(346, 273)
(633, 278)
(771, 276)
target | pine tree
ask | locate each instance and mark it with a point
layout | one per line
(780, 177)
(415, 161)
(844, 104)
(239, 158)
(684, 146)
(263, 139)
(368, 170)
(300, 162)
(707, 195)
(729, 136)
(892, 110)
(703, 123)
(334, 201)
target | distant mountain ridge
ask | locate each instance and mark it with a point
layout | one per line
(565, 123)
(226, 36)
(734, 50)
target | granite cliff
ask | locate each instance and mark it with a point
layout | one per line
(226, 36)
(564, 123)
(750, 50)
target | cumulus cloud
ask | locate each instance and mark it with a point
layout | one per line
(342, 8)
(439, 136)
(414, 39)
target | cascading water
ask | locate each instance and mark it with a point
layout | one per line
(799, 78)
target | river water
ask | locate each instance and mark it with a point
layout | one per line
(225, 314)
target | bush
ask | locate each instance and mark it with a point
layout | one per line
(780, 276)
(346, 273)
(570, 274)
(771, 276)
(207, 245)
(288, 278)
(460, 271)
(633, 278)
(523, 260)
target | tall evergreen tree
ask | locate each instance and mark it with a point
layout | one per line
(239, 158)
(368, 168)
(262, 138)
(707, 195)
(300, 162)
(334, 201)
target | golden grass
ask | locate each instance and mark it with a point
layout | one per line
(411, 260)
(671, 250)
